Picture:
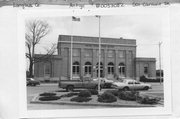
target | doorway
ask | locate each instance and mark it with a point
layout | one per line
(101, 70)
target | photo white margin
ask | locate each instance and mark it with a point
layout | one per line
(109, 112)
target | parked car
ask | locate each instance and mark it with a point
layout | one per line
(32, 82)
(130, 84)
(85, 82)
(107, 82)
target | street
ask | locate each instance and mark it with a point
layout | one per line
(157, 90)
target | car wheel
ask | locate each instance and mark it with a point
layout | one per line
(70, 88)
(125, 88)
(146, 88)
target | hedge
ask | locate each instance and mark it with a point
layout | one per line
(107, 98)
(49, 98)
(93, 92)
(84, 93)
(114, 92)
(128, 95)
(148, 100)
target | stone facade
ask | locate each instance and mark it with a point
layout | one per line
(118, 58)
(145, 66)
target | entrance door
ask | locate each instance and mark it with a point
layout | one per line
(101, 73)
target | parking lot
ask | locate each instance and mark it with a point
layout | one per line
(157, 90)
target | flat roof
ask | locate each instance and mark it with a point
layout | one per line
(145, 59)
(92, 39)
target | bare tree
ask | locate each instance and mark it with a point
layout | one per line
(36, 30)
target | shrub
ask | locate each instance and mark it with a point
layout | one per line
(128, 95)
(81, 99)
(69, 94)
(84, 93)
(49, 98)
(148, 100)
(114, 92)
(107, 98)
(48, 94)
(93, 92)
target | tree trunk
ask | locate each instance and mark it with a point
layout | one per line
(31, 69)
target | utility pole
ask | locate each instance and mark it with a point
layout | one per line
(160, 43)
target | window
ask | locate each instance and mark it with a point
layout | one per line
(76, 52)
(47, 69)
(101, 65)
(122, 54)
(110, 68)
(110, 53)
(146, 69)
(88, 68)
(137, 83)
(101, 69)
(76, 68)
(122, 69)
(130, 83)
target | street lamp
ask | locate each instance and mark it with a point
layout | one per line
(99, 81)
(160, 43)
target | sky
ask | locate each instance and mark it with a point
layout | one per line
(146, 29)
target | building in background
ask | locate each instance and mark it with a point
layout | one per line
(118, 59)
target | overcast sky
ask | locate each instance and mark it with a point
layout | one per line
(147, 30)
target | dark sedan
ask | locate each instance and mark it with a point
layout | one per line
(32, 82)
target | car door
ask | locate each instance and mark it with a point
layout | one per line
(78, 83)
(131, 85)
(137, 85)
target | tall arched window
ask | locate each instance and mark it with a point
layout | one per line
(88, 68)
(146, 69)
(110, 68)
(76, 68)
(101, 69)
(47, 69)
(122, 69)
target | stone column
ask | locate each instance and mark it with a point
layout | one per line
(133, 65)
(105, 62)
(69, 67)
(126, 64)
(82, 62)
(116, 63)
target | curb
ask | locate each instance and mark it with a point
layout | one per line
(35, 101)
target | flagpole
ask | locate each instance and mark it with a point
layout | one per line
(99, 64)
(71, 50)
(71, 64)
